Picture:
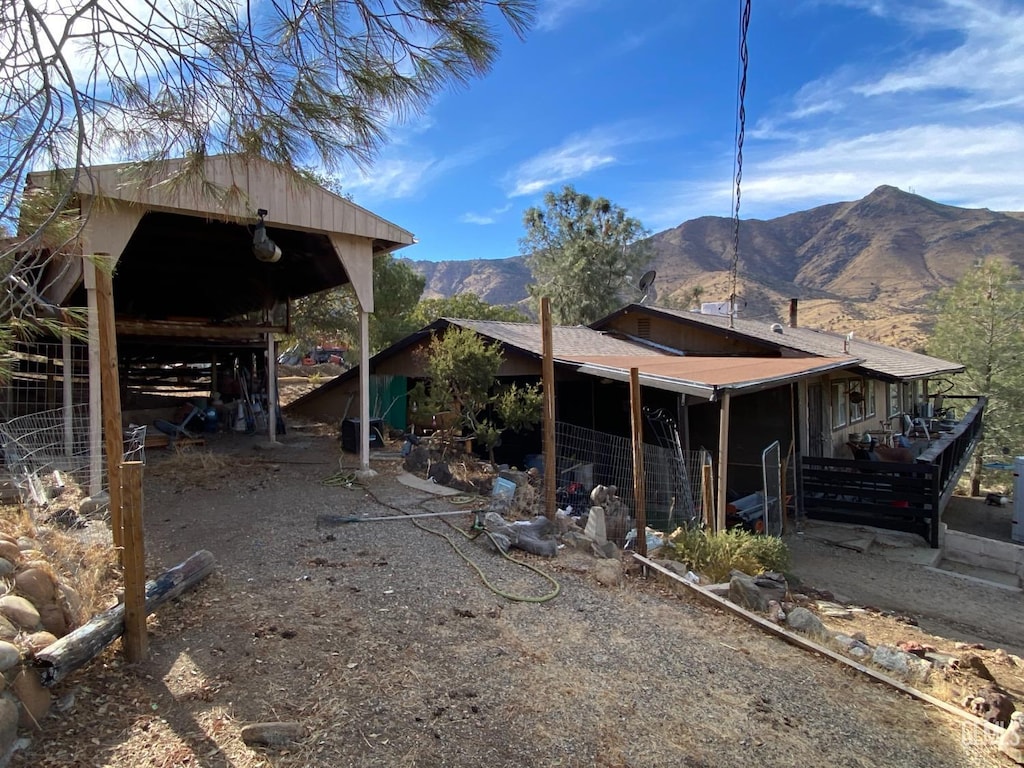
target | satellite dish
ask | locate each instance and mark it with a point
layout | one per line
(646, 286)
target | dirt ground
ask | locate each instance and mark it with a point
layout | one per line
(386, 646)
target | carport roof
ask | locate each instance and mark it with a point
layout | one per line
(707, 377)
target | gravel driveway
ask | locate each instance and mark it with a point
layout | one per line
(388, 648)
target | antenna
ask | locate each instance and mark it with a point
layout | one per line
(646, 286)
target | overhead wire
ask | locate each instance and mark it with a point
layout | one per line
(741, 120)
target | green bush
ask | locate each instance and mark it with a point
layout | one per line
(714, 555)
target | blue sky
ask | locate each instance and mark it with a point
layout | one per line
(636, 101)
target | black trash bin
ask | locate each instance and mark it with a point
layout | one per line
(351, 434)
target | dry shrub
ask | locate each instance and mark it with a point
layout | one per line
(715, 555)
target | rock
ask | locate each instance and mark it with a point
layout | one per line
(971, 662)
(722, 590)
(10, 655)
(37, 585)
(71, 603)
(913, 647)
(743, 591)
(565, 523)
(941, 660)
(990, 704)
(1011, 743)
(439, 473)
(970, 646)
(852, 645)
(19, 611)
(606, 551)
(93, 505)
(832, 610)
(34, 698)
(8, 726)
(39, 640)
(595, 530)
(576, 540)
(53, 620)
(775, 612)
(7, 630)
(772, 585)
(860, 651)
(26, 542)
(417, 460)
(6, 567)
(9, 551)
(272, 734)
(608, 573)
(902, 663)
(805, 622)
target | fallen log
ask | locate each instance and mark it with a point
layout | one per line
(59, 659)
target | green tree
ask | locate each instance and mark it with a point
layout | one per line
(467, 306)
(980, 323)
(461, 369)
(397, 288)
(583, 253)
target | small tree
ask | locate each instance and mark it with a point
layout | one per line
(462, 370)
(467, 306)
(979, 324)
(581, 251)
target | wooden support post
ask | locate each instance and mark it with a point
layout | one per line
(69, 370)
(95, 389)
(135, 641)
(111, 396)
(364, 389)
(707, 482)
(548, 382)
(723, 460)
(639, 489)
(271, 389)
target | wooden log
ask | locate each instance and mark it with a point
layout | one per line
(58, 660)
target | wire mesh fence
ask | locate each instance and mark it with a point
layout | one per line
(672, 477)
(47, 450)
(44, 375)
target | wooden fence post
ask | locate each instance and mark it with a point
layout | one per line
(639, 478)
(548, 382)
(136, 642)
(110, 395)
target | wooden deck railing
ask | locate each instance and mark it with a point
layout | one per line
(905, 497)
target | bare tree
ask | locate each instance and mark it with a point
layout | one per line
(297, 82)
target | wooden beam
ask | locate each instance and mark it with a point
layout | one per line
(723, 460)
(639, 495)
(194, 330)
(95, 388)
(135, 641)
(364, 384)
(548, 384)
(69, 402)
(113, 438)
(809, 645)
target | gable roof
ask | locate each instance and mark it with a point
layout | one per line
(877, 360)
(566, 340)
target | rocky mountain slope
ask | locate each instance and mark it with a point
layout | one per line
(868, 266)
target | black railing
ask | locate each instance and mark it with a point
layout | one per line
(904, 497)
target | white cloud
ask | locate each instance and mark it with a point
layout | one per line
(476, 218)
(577, 156)
(553, 13)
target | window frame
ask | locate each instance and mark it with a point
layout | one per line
(840, 396)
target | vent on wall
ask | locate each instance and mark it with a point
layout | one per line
(643, 327)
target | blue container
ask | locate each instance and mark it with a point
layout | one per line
(210, 420)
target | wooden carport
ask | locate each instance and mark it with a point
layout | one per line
(181, 240)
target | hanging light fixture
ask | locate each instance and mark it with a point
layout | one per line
(263, 248)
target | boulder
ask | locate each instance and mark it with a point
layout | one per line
(606, 551)
(595, 530)
(806, 623)
(608, 573)
(417, 460)
(8, 726)
(37, 585)
(744, 592)
(53, 620)
(19, 611)
(39, 640)
(34, 698)
(772, 585)
(10, 655)
(1011, 743)
(9, 551)
(277, 734)
(902, 663)
(517, 477)
(439, 473)
(990, 704)
(7, 630)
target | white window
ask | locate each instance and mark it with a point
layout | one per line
(856, 395)
(840, 403)
(869, 399)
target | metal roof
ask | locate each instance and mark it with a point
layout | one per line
(566, 340)
(877, 359)
(708, 377)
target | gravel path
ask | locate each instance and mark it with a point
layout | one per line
(388, 648)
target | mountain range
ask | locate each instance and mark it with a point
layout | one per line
(869, 266)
